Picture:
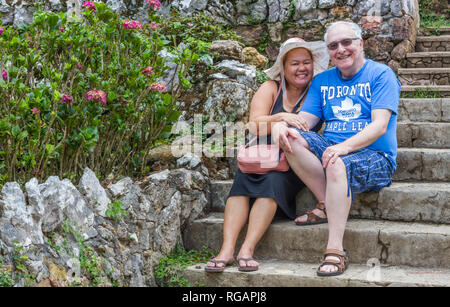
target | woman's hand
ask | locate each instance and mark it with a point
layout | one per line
(280, 134)
(294, 120)
(332, 153)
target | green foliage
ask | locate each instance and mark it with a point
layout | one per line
(49, 125)
(422, 93)
(91, 264)
(5, 276)
(20, 259)
(169, 272)
(115, 210)
(430, 18)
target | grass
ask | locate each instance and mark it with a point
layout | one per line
(421, 93)
(169, 272)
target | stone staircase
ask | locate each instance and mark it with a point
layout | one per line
(429, 66)
(399, 236)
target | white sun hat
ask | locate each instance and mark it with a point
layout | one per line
(319, 53)
(318, 50)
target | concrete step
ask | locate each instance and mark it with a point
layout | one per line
(428, 59)
(423, 164)
(424, 76)
(423, 134)
(402, 201)
(278, 273)
(392, 243)
(413, 164)
(424, 109)
(438, 30)
(433, 43)
(419, 91)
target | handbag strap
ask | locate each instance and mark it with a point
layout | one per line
(270, 113)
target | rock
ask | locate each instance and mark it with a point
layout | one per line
(225, 49)
(323, 4)
(278, 10)
(120, 187)
(170, 77)
(275, 31)
(242, 73)
(399, 52)
(251, 35)
(303, 6)
(253, 57)
(227, 101)
(91, 189)
(341, 12)
(189, 160)
(379, 48)
(403, 28)
(394, 65)
(371, 24)
(64, 202)
(372, 8)
(23, 15)
(16, 222)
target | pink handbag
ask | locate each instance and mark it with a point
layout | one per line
(262, 158)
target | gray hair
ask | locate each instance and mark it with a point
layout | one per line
(352, 25)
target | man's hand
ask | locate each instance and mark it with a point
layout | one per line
(332, 153)
(280, 135)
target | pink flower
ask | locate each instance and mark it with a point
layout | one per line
(131, 24)
(190, 25)
(79, 66)
(97, 95)
(158, 86)
(66, 98)
(89, 5)
(154, 25)
(148, 71)
(4, 75)
(1, 31)
(154, 4)
(35, 111)
(61, 29)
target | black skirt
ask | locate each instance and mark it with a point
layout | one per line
(281, 186)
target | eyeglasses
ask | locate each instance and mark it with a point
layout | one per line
(344, 42)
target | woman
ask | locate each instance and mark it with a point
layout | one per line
(257, 198)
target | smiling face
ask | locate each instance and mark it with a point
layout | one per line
(298, 67)
(349, 59)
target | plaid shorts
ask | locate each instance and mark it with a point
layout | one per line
(367, 170)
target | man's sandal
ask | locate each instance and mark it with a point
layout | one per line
(246, 267)
(218, 269)
(314, 219)
(341, 265)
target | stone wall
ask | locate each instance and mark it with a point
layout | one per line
(57, 234)
(389, 26)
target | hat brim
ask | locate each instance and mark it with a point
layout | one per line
(318, 49)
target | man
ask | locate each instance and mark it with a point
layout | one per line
(358, 99)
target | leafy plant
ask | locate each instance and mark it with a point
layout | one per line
(96, 91)
(115, 210)
(169, 272)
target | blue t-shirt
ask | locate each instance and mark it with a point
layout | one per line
(346, 104)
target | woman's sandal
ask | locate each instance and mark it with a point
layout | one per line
(218, 269)
(341, 265)
(246, 267)
(314, 219)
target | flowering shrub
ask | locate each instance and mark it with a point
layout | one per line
(88, 92)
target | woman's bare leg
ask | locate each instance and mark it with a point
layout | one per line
(236, 215)
(261, 215)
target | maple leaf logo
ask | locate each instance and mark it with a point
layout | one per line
(347, 110)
